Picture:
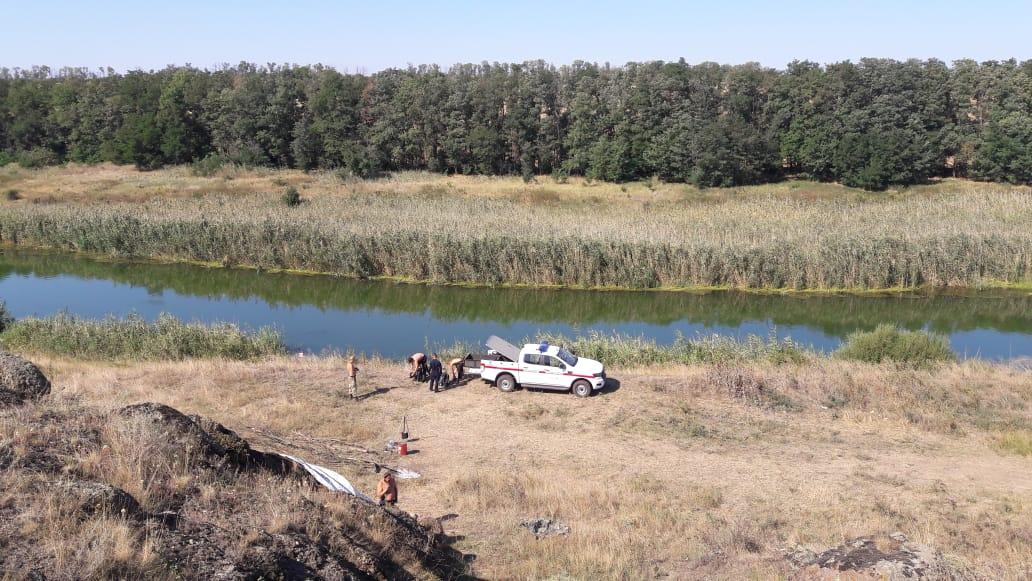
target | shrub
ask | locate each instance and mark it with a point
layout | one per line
(6, 319)
(889, 343)
(12, 195)
(208, 166)
(6, 157)
(291, 197)
(38, 157)
(133, 338)
(1015, 442)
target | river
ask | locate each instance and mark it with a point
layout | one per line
(318, 313)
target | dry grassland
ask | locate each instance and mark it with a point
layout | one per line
(691, 472)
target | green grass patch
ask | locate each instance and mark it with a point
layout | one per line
(889, 343)
(133, 338)
(1015, 442)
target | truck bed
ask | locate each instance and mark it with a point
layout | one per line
(504, 347)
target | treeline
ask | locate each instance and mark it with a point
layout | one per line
(868, 124)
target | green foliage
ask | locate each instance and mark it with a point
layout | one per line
(7, 158)
(873, 124)
(207, 166)
(38, 157)
(889, 343)
(291, 197)
(133, 338)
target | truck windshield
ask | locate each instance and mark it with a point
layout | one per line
(569, 358)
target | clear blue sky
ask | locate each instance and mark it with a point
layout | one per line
(371, 35)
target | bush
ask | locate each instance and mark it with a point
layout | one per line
(6, 157)
(1015, 442)
(889, 343)
(38, 157)
(12, 195)
(208, 166)
(133, 338)
(6, 319)
(291, 197)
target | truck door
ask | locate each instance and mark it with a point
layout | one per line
(536, 371)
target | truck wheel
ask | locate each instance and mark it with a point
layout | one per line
(581, 388)
(506, 383)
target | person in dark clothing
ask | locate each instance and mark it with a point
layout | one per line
(436, 370)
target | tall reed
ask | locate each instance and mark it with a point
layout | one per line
(757, 242)
(133, 338)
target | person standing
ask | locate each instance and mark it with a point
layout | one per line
(352, 378)
(387, 490)
(436, 370)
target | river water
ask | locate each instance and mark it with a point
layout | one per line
(317, 313)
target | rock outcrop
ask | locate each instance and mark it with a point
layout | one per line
(893, 558)
(20, 380)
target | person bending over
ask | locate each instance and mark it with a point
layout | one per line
(415, 362)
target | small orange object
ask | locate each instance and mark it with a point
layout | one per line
(403, 449)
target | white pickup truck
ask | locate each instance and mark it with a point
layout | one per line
(541, 366)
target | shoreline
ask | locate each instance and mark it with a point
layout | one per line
(919, 291)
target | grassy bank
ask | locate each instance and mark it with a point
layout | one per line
(682, 471)
(483, 232)
(134, 339)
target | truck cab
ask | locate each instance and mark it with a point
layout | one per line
(541, 366)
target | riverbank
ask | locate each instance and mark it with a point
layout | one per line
(482, 232)
(688, 471)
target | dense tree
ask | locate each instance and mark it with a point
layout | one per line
(873, 123)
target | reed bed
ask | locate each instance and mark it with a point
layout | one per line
(133, 338)
(763, 242)
(629, 351)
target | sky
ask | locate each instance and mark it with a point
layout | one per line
(373, 35)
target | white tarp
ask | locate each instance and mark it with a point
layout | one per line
(328, 478)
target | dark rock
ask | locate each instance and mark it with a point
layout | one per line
(236, 447)
(545, 527)
(178, 427)
(20, 380)
(899, 559)
(9, 399)
(97, 497)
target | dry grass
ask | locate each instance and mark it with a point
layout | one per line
(797, 454)
(61, 519)
(106, 183)
(421, 226)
